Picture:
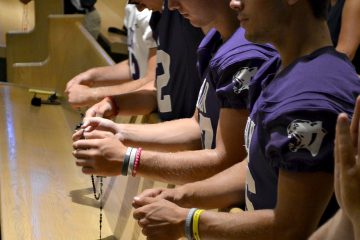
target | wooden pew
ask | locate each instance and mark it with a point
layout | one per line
(31, 46)
(12, 19)
(71, 50)
(112, 15)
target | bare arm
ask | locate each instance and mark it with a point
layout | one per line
(179, 167)
(349, 38)
(92, 86)
(227, 189)
(182, 167)
(176, 135)
(302, 198)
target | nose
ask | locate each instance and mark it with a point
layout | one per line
(237, 5)
(173, 4)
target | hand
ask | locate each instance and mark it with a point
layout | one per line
(94, 128)
(354, 127)
(104, 108)
(102, 157)
(158, 193)
(80, 95)
(347, 169)
(84, 78)
(160, 219)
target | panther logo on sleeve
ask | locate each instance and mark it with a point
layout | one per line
(305, 134)
(242, 78)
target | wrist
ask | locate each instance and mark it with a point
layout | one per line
(91, 77)
(121, 130)
(114, 106)
(183, 196)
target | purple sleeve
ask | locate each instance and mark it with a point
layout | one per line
(302, 141)
(232, 84)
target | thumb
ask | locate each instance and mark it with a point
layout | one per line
(142, 201)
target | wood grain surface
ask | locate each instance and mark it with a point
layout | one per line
(43, 194)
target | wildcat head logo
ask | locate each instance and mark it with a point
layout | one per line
(305, 134)
(242, 78)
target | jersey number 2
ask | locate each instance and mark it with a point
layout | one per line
(162, 80)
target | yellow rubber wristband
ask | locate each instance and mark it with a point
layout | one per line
(195, 225)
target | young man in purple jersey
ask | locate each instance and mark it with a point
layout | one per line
(227, 63)
(289, 136)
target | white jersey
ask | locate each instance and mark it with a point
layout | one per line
(140, 39)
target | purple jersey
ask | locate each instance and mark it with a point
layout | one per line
(226, 77)
(177, 81)
(293, 118)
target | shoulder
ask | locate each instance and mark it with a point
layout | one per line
(237, 50)
(322, 80)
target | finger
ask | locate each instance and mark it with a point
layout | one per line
(68, 86)
(150, 193)
(345, 148)
(156, 232)
(78, 134)
(88, 170)
(105, 110)
(96, 134)
(85, 163)
(86, 143)
(138, 213)
(85, 154)
(144, 201)
(146, 193)
(143, 222)
(354, 127)
(91, 112)
(337, 161)
(100, 124)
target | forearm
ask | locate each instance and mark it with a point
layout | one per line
(338, 227)
(109, 75)
(222, 190)
(140, 102)
(254, 225)
(101, 92)
(181, 167)
(176, 135)
(349, 38)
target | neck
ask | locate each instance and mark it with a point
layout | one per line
(302, 38)
(226, 24)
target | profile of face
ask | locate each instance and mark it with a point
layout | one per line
(199, 12)
(154, 5)
(261, 19)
